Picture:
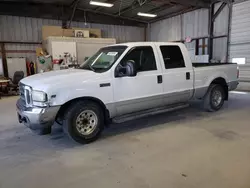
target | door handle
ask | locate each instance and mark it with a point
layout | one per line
(159, 79)
(187, 75)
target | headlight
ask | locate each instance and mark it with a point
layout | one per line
(39, 96)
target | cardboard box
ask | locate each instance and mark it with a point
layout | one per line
(51, 31)
(38, 51)
(48, 31)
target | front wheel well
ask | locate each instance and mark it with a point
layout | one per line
(222, 82)
(64, 107)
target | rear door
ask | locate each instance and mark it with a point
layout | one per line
(177, 74)
(144, 91)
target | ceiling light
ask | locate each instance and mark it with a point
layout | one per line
(146, 15)
(101, 4)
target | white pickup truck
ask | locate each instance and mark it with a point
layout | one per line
(119, 82)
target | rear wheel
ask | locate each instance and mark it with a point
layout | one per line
(84, 121)
(214, 98)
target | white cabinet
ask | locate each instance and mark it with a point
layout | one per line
(81, 47)
(59, 48)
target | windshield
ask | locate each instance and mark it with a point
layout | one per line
(104, 59)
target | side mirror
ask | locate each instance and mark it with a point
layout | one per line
(128, 70)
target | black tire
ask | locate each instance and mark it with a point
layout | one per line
(209, 105)
(70, 121)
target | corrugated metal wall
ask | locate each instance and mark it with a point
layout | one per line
(120, 33)
(28, 29)
(240, 37)
(195, 24)
(221, 22)
(240, 31)
(15, 28)
(220, 28)
(166, 30)
(192, 24)
(22, 50)
(220, 49)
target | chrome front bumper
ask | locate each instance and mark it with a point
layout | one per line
(35, 117)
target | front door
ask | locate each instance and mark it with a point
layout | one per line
(144, 91)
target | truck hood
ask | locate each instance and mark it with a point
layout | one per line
(42, 81)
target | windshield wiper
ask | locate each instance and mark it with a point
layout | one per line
(87, 68)
(91, 68)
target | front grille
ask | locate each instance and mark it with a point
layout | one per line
(22, 91)
(25, 94)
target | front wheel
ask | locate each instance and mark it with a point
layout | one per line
(84, 121)
(215, 97)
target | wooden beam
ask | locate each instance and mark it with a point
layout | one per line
(20, 42)
(20, 51)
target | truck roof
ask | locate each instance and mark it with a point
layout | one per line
(147, 43)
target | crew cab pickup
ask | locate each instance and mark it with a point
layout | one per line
(118, 82)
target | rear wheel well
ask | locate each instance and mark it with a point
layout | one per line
(64, 107)
(222, 82)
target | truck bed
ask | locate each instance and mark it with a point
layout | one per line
(205, 73)
(210, 64)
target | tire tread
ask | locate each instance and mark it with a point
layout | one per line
(207, 99)
(71, 111)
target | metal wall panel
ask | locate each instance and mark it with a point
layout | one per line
(190, 45)
(240, 29)
(191, 49)
(195, 24)
(192, 24)
(22, 50)
(240, 51)
(221, 22)
(220, 49)
(240, 37)
(27, 29)
(119, 32)
(166, 30)
(240, 23)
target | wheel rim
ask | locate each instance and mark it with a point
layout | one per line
(86, 122)
(217, 98)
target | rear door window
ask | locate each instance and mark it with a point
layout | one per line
(172, 57)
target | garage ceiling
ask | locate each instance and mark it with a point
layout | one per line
(123, 12)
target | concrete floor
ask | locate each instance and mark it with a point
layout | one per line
(185, 149)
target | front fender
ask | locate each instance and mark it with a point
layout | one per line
(103, 94)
